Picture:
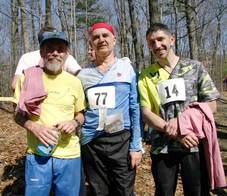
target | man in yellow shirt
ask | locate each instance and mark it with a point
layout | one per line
(53, 157)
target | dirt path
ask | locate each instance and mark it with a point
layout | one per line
(13, 147)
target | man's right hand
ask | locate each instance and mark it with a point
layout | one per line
(190, 140)
(45, 134)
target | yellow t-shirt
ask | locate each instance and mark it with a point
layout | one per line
(148, 81)
(65, 97)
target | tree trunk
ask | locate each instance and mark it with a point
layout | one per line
(40, 15)
(191, 28)
(74, 38)
(14, 34)
(135, 36)
(175, 24)
(154, 11)
(217, 75)
(123, 26)
(34, 40)
(155, 16)
(61, 14)
(48, 19)
(24, 25)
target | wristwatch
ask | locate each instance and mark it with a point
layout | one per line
(78, 123)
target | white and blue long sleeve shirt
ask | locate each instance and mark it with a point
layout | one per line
(112, 102)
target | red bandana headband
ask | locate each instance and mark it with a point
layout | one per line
(104, 25)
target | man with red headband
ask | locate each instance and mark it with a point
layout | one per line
(111, 135)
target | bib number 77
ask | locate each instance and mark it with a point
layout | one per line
(101, 97)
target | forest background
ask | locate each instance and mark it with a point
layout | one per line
(200, 27)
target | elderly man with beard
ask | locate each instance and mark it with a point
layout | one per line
(111, 135)
(54, 125)
(33, 58)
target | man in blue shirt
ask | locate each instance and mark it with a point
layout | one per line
(111, 135)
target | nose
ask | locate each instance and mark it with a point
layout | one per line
(156, 44)
(55, 52)
(101, 38)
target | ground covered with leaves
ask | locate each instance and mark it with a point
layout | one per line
(13, 148)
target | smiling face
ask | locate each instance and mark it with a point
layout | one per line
(160, 44)
(54, 53)
(103, 41)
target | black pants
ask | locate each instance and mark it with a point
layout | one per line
(192, 167)
(107, 165)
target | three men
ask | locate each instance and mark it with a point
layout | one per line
(111, 138)
(61, 108)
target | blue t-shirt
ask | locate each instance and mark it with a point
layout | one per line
(112, 102)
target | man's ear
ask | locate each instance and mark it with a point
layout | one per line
(115, 40)
(41, 51)
(68, 52)
(173, 39)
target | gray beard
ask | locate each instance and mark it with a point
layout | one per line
(54, 68)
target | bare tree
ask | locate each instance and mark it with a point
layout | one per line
(24, 25)
(175, 10)
(14, 33)
(73, 28)
(61, 15)
(191, 26)
(33, 41)
(135, 35)
(48, 19)
(216, 58)
(120, 10)
(154, 11)
(155, 16)
(41, 20)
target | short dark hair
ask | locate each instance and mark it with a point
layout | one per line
(158, 26)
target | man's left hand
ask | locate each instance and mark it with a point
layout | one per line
(135, 158)
(171, 127)
(67, 126)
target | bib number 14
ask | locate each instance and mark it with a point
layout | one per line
(174, 91)
(171, 90)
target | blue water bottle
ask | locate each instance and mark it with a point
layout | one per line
(47, 151)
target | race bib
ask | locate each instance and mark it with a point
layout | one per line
(171, 90)
(101, 97)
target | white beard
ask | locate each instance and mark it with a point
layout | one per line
(53, 67)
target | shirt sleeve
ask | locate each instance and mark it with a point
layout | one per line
(136, 142)
(20, 66)
(18, 88)
(80, 98)
(206, 87)
(148, 94)
(71, 65)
